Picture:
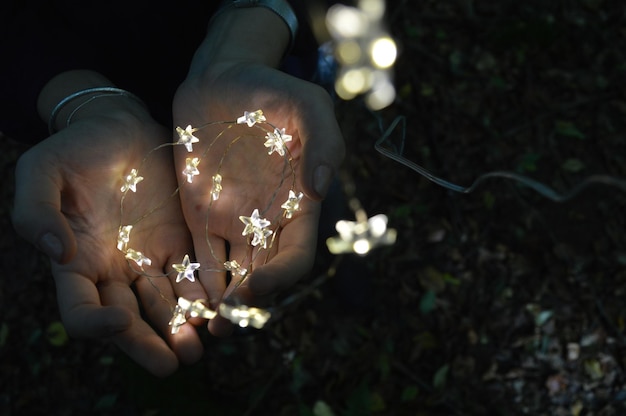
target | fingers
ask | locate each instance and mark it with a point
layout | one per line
(37, 211)
(323, 145)
(294, 257)
(158, 301)
(82, 313)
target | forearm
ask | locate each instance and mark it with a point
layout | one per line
(254, 35)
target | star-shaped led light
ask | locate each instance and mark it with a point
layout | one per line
(244, 316)
(361, 236)
(197, 308)
(216, 188)
(276, 141)
(258, 227)
(234, 267)
(186, 269)
(131, 180)
(123, 237)
(250, 118)
(178, 319)
(191, 168)
(186, 137)
(138, 257)
(292, 204)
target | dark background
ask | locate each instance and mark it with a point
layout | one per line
(476, 307)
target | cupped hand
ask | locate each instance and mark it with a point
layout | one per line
(254, 179)
(68, 203)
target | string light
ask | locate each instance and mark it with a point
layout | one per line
(216, 188)
(186, 137)
(364, 51)
(292, 204)
(244, 316)
(256, 226)
(259, 232)
(186, 269)
(276, 141)
(131, 180)
(191, 168)
(362, 235)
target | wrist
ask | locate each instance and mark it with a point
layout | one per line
(79, 94)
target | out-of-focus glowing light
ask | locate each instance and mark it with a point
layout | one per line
(349, 52)
(361, 236)
(374, 9)
(346, 22)
(364, 52)
(381, 96)
(361, 246)
(357, 80)
(383, 51)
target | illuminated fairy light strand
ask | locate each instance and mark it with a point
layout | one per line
(259, 232)
(364, 51)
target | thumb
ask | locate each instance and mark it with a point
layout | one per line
(323, 146)
(37, 213)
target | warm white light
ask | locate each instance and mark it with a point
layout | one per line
(186, 137)
(123, 237)
(356, 81)
(131, 180)
(191, 168)
(374, 9)
(292, 204)
(383, 52)
(217, 187)
(251, 118)
(186, 269)
(346, 22)
(361, 246)
(348, 52)
(256, 226)
(381, 95)
(276, 141)
(137, 257)
(243, 315)
(361, 236)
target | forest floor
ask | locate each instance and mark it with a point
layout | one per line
(496, 301)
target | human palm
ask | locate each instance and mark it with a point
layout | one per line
(252, 178)
(74, 178)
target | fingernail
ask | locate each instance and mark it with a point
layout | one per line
(52, 246)
(321, 179)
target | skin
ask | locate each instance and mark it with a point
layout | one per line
(68, 192)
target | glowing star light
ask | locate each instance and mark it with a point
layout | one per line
(123, 237)
(258, 227)
(217, 187)
(138, 257)
(186, 269)
(292, 204)
(130, 181)
(361, 236)
(197, 308)
(276, 141)
(186, 137)
(235, 268)
(178, 319)
(244, 316)
(191, 168)
(250, 118)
